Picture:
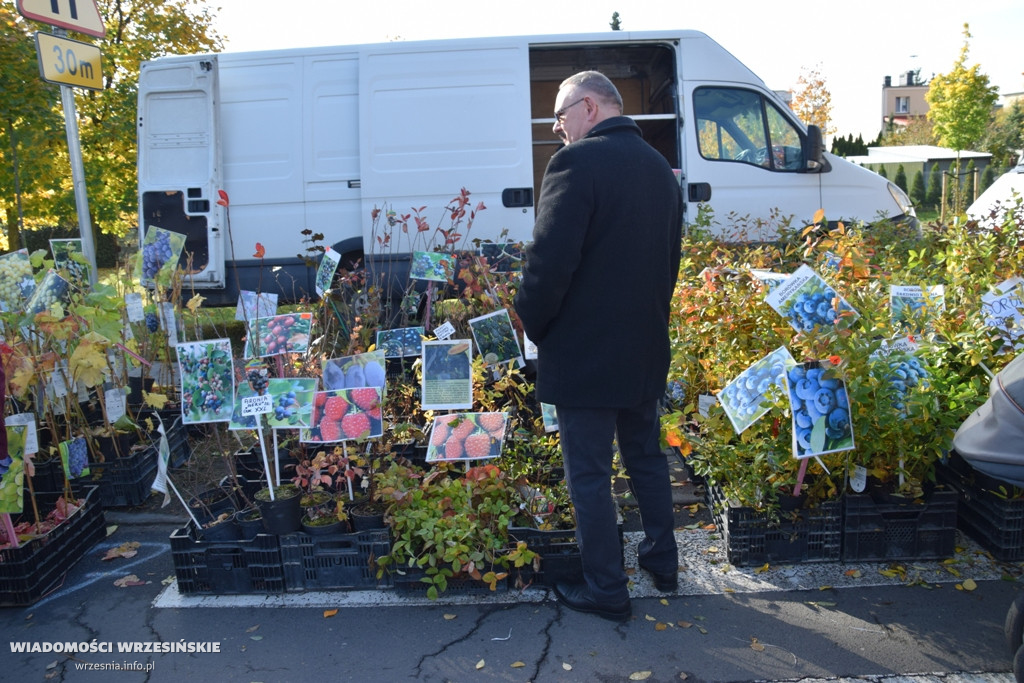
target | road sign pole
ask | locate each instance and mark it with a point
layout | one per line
(67, 95)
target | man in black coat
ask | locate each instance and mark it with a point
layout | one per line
(595, 298)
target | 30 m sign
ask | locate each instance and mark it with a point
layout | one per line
(69, 62)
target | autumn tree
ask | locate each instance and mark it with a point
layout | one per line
(812, 101)
(960, 106)
(1005, 135)
(136, 31)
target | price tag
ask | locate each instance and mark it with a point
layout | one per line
(60, 387)
(704, 403)
(444, 331)
(859, 479)
(257, 405)
(169, 323)
(115, 399)
(133, 304)
(529, 348)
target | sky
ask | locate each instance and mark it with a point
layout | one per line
(853, 45)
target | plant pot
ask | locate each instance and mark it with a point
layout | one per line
(366, 516)
(324, 526)
(283, 515)
(223, 530)
(137, 385)
(317, 503)
(249, 523)
(208, 504)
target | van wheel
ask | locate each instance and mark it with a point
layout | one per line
(1013, 627)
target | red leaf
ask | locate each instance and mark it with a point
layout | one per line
(223, 201)
(260, 251)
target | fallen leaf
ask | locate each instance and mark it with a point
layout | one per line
(130, 580)
(567, 666)
(820, 603)
(969, 584)
(255, 637)
(52, 665)
(639, 675)
(449, 617)
(729, 590)
(125, 550)
(683, 624)
(683, 676)
(713, 549)
(660, 626)
(518, 665)
(111, 529)
(168, 581)
(648, 617)
(702, 630)
(762, 569)
(953, 571)
(754, 645)
(853, 573)
(824, 588)
(328, 613)
(663, 601)
(480, 664)
(252, 628)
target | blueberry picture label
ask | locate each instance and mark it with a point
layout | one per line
(807, 301)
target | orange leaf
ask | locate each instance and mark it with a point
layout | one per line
(260, 251)
(328, 613)
(223, 201)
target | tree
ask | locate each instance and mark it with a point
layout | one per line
(900, 179)
(882, 172)
(136, 30)
(812, 101)
(934, 191)
(917, 192)
(31, 134)
(917, 131)
(967, 181)
(616, 24)
(1005, 135)
(987, 176)
(960, 102)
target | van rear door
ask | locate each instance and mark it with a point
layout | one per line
(437, 117)
(179, 161)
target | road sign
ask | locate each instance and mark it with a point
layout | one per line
(75, 15)
(69, 62)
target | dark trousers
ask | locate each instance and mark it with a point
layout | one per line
(586, 436)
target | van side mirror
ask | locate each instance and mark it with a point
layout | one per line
(813, 149)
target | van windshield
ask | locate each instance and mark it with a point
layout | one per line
(740, 125)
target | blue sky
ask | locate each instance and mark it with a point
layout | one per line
(853, 45)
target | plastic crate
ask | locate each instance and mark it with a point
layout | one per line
(984, 512)
(892, 531)
(559, 555)
(226, 567)
(37, 567)
(334, 561)
(753, 538)
(124, 482)
(177, 442)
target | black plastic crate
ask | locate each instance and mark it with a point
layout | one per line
(177, 442)
(37, 567)
(752, 537)
(558, 554)
(124, 482)
(334, 561)
(876, 531)
(985, 513)
(226, 567)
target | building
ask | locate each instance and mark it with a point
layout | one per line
(916, 158)
(905, 101)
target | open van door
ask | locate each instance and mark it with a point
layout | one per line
(437, 117)
(179, 161)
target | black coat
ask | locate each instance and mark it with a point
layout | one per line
(601, 269)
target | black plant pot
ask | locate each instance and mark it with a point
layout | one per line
(283, 515)
(208, 504)
(334, 527)
(224, 530)
(366, 518)
(249, 523)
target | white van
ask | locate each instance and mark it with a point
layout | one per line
(316, 138)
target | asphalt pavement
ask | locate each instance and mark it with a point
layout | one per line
(809, 622)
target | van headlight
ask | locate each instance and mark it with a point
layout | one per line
(902, 200)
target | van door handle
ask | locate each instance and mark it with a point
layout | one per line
(699, 192)
(514, 197)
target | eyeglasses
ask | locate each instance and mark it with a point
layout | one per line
(560, 114)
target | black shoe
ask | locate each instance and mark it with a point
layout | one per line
(577, 596)
(664, 581)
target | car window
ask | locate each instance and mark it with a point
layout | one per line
(739, 125)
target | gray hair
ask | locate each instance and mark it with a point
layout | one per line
(596, 83)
